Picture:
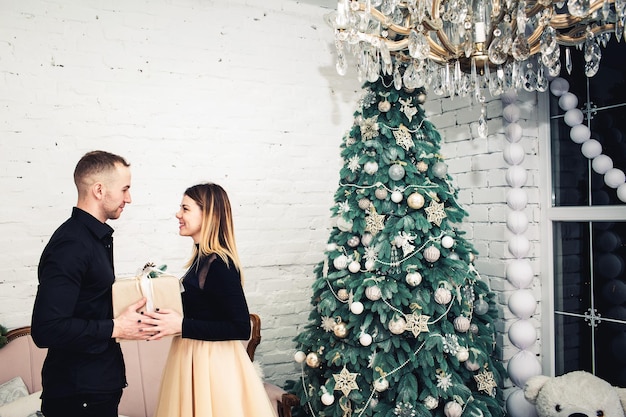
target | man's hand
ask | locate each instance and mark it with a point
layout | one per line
(132, 325)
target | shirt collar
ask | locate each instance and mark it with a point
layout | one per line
(99, 229)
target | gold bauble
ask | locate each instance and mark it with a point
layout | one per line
(384, 106)
(380, 193)
(422, 166)
(415, 201)
(343, 294)
(340, 330)
(313, 360)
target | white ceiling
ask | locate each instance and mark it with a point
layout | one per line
(328, 4)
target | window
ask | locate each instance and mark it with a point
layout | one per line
(588, 226)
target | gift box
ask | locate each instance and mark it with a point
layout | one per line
(160, 289)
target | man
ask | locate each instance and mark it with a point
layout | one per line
(84, 374)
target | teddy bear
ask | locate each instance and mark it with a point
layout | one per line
(575, 394)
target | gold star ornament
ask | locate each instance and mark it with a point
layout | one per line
(345, 381)
(435, 212)
(374, 222)
(486, 383)
(417, 323)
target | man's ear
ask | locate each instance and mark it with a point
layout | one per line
(97, 189)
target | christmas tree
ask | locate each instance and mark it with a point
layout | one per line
(402, 323)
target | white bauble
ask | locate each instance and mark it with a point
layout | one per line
(522, 366)
(442, 296)
(447, 242)
(364, 203)
(365, 339)
(299, 356)
(396, 172)
(516, 176)
(454, 255)
(340, 262)
(357, 307)
(519, 272)
(621, 193)
(513, 154)
(354, 267)
(511, 113)
(452, 409)
(472, 366)
(431, 402)
(519, 246)
(513, 132)
(343, 294)
(517, 222)
(366, 239)
(522, 334)
(579, 134)
(354, 241)
(381, 193)
(413, 278)
(518, 406)
(481, 307)
(601, 164)
(517, 198)
(440, 169)
(327, 398)
(381, 384)
(461, 324)
(370, 264)
(462, 354)
(345, 225)
(474, 328)
(370, 167)
(568, 101)
(396, 196)
(559, 86)
(522, 303)
(373, 293)
(397, 325)
(591, 148)
(573, 117)
(331, 247)
(431, 254)
(614, 177)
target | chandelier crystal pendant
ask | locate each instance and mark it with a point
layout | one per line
(456, 47)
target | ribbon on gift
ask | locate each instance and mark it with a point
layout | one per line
(148, 272)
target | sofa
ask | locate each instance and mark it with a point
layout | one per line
(144, 363)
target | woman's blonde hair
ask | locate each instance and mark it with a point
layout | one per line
(217, 231)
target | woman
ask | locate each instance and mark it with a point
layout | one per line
(208, 372)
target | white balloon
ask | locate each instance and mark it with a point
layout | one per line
(513, 154)
(517, 222)
(522, 366)
(511, 113)
(508, 97)
(522, 334)
(568, 101)
(516, 176)
(601, 164)
(522, 303)
(517, 198)
(513, 132)
(579, 133)
(591, 148)
(614, 177)
(621, 193)
(559, 86)
(519, 272)
(518, 406)
(573, 117)
(519, 246)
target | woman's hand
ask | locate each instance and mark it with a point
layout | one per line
(165, 322)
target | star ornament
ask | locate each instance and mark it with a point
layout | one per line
(417, 323)
(345, 381)
(435, 212)
(374, 222)
(403, 137)
(486, 383)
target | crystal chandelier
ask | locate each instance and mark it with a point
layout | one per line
(456, 47)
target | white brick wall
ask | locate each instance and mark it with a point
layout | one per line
(237, 92)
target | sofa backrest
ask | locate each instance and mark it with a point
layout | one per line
(21, 357)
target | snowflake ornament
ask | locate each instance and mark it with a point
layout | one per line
(404, 410)
(345, 381)
(451, 344)
(403, 137)
(417, 323)
(444, 381)
(367, 99)
(353, 164)
(369, 128)
(328, 323)
(435, 212)
(344, 206)
(486, 383)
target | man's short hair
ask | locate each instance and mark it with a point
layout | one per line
(95, 162)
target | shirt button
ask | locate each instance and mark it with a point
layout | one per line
(84, 405)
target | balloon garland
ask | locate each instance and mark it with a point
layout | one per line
(581, 134)
(519, 273)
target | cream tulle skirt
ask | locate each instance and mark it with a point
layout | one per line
(211, 379)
